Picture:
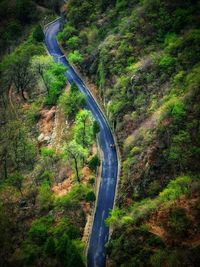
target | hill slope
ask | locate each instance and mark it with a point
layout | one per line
(143, 56)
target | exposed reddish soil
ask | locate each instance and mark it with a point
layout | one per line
(46, 122)
(159, 221)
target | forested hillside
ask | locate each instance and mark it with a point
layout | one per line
(48, 152)
(143, 57)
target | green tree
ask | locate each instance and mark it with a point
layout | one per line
(45, 197)
(22, 77)
(38, 232)
(16, 180)
(70, 102)
(66, 33)
(56, 79)
(96, 128)
(38, 34)
(63, 250)
(40, 65)
(76, 153)
(93, 163)
(84, 128)
(90, 197)
(73, 42)
(67, 253)
(75, 57)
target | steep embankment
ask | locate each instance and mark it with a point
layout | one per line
(144, 58)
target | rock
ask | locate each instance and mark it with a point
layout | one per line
(41, 137)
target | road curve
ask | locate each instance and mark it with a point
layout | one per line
(99, 234)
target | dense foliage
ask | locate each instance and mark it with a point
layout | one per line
(144, 58)
(46, 139)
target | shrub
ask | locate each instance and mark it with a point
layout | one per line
(93, 163)
(67, 33)
(178, 110)
(90, 197)
(176, 188)
(33, 114)
(45, 197)
(73, 42)
(75, 57)
(39, 230)
(96, 128)
(91, 180)
(70, 102)
(153, 188)
(47, 152)
(166, 62)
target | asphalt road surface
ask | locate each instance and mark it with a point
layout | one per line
(99, 235)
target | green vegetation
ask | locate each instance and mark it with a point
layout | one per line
(70, 102)
(144, 58)
(46, 140)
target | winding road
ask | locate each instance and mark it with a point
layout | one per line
(100, 232)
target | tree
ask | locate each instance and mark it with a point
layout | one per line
(40, 64)
(67, 253)
(38, 232)
(70, 102)
(38, 34)
(56, 78)
(93, 163)
(75, 152)
(16, 150)
(22, 77)
(16, 180)
(96, 128)
(75, 57)
(67, 33)
(73, 42)
(63, 250)
(45, 197)
(84, 128)
(90, 197)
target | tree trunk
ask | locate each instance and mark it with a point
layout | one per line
(23, 96)
(76, 167)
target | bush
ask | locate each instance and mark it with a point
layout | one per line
(47, 152)
(45, 197)
(39, 230)
(178, 110)
(90, 197)
(33, 114)
(73, 42)
(91, 180)
(94, 162)
(176, 188)
(70, 102)
(75, 57)
(166, 62)
(153, 188)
